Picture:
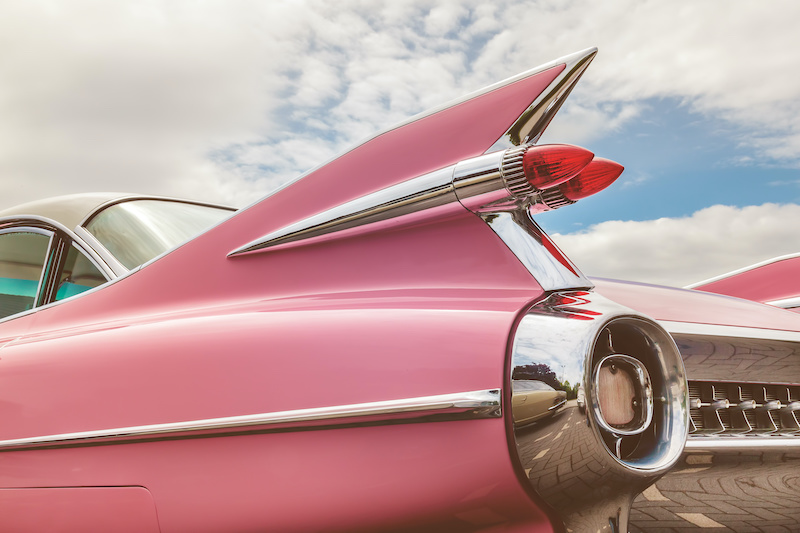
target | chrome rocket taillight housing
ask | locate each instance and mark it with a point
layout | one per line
(628, 427)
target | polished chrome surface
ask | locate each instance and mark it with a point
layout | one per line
(53, 226)
(786, 303)
(514, 173)
(549, 200)
(530, 126)
(641, 403)
(480, 185)
(744, 390)
(744, 409)
(459, 406)
(424, 192)
(587, 472)
(551, 268)
(744, 444)
(38, 229)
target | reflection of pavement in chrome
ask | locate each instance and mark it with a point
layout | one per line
(746, 492)
(569, 469)
(557, 450)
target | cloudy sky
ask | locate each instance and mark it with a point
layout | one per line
(226, 100)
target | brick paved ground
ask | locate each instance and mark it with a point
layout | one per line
(742, 493)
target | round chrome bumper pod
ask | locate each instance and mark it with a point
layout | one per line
(626, 415)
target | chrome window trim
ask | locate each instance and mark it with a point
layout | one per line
(51, 228)
(742, 270)
(97, 247)
(718, 330)
(459, 406)
(50, 234)
(74, 235)
(135, 197)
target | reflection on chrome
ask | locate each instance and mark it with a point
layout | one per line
(589, 464)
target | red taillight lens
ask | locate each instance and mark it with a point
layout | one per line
(598, 175)
(550, 164)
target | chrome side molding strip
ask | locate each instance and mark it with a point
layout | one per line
(444, 407)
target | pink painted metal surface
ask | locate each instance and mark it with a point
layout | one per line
(774, 281)
(682, 305)
(71, 509)
(441, 476)
(421, 307)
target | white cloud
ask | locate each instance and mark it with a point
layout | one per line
(680, 251)
(212, 99)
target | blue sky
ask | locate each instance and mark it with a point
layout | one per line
(226, 100)
(678, 163)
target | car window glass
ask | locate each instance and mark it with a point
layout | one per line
(137, 231)
(526, 386)
(22, 258)
(78, 275)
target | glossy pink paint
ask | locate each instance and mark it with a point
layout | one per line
(443, 476)
(683, 305)
(421, 307)
(774, 281)
(71, 509)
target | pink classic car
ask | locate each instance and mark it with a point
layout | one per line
(351, 354)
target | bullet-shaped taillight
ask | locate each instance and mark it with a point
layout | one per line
(551, 164)
(597, 175)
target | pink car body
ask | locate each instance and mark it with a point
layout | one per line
(775, 282)
(331, 359)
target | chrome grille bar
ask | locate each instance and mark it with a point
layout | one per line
(727, 408)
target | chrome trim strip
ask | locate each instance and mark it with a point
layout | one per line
(76, 237)
(786, 303)
(717, 330)
(549, 266)
(426, 191)
(697, 443)
(458, 406)
(134, 197)
(530, 126)
(117, 268)
(51, 236)
(742, 270)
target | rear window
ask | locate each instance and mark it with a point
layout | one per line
(136, 231)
